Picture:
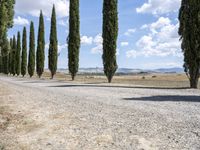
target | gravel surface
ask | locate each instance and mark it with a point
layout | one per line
(54, 115)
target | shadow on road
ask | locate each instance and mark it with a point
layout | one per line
(115, 86)
(172, 98)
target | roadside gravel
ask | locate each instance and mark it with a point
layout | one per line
(56, 115)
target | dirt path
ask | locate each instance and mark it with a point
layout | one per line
(43, 114)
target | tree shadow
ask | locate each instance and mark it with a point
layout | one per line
(171, 98)
(115, 86)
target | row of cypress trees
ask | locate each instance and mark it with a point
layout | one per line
(110, 32)
(17, 60)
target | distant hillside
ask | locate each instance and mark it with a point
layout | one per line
(170, 70)
(126, 70)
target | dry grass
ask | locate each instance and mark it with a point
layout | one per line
(170, 80)
(149, 80)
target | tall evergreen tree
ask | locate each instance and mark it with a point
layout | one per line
(53, 45)
(5, 58)
(189, 31)
(3, 28)
(110, 34)
(24, 53)
(10, 56)
(31, 60)
(74, 38)
(13, 58)
(18, 55)
(10, 11)
(1, 65)
(6, 18)
(40, 56)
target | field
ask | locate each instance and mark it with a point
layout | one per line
(143, 111)
(171, 80)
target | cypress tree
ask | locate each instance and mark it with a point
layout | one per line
(18, 54)
(10, 56)
(5, 58)
(40, 56)
(53, 45)
(189, 31)
(3, 35)
(110, 34)
(24, 53)
(13, 60)
(6, 18)
(3, 25)
(10, 12)
(74, 38)
(31, 58)
(1, 64)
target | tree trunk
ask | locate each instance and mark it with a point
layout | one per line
(194, 83)
(194, 78)
(52, 76)
(109, 79)
(73, 77)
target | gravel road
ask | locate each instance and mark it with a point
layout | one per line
(55, 115)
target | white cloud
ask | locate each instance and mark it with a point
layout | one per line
(33, 7)
(130, 32)
(60, 47)
(98, 41)
(124, 44)
(21, 21)
(63, 23)
(162, 40)
(157, 7)
(86, 40)
(132, 54)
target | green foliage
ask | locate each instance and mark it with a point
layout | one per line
(110, 34)
(74, 38)
(31, 60)
(10, 12)
(3, 25)
(13, 60)
(40, 56)
(189, 17)
(5, 58)
(6, 17)
(10, 56)
(53, 45)
(24, 53)
(1, 65)
(18, 54)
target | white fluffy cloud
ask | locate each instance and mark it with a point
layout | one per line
(162, 40)
(21, 21)
(98, 41)
(60, 47)
(33, 7)
(157, 7)
(86, 40)
(130, 32)
(124, 44)
(63, 23)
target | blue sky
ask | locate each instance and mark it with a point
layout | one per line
(147, 38)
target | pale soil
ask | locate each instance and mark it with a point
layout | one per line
(57, 115)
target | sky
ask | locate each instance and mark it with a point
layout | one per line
(148, 31)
